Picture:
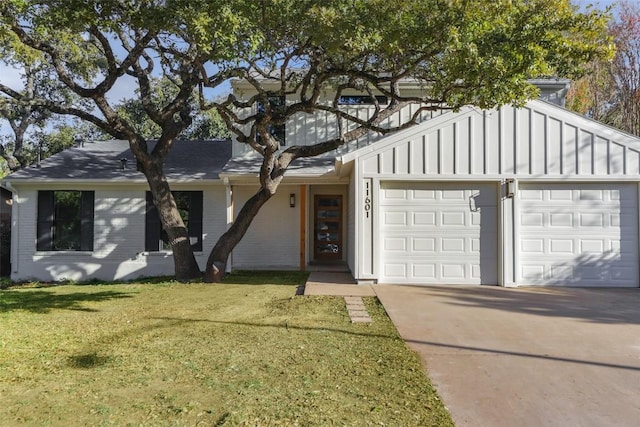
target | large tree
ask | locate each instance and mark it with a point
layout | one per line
(610, 92)
(205, 124)
(91, 46)
(460, 52)
(474, 52)
(27, 118)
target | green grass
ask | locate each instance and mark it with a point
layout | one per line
(213, 355)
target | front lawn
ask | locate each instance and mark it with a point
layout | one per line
(212, 355)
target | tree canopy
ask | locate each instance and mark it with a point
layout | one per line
(459, 52)
(610, 92)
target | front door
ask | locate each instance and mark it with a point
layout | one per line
(327, 226)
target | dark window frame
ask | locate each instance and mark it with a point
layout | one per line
(154, 234)
(362, 100)
(48, 225)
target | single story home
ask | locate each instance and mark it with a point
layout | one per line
(513, 196)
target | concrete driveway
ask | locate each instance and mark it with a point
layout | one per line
(526, 356)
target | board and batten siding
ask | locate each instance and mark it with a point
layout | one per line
(312, 128)
(119, 227)
(539, 143)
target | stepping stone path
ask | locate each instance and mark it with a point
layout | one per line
(357, 311)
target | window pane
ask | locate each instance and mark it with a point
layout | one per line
(66, 229)
(183, 202)
(361, 100)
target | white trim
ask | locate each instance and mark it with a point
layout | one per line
(230, 218)
(376, 247)
(516, 235)
(496, 177)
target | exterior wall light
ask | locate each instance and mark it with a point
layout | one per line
(510, 188)
(292, 200)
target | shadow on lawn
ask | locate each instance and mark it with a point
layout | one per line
(176, 321)
(44, 302)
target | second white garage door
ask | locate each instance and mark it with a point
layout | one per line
(438, 233)
(578, 234)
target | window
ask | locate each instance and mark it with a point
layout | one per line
(65, 221)
(190, 207)
(277, 131)
(361, 100)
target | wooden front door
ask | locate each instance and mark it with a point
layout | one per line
(327, 226)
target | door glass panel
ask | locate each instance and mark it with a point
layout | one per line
(328, 214)
(329, 249)
(333, 202)
(327, 228)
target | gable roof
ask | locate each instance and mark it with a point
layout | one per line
(541, 140)
(101, 161)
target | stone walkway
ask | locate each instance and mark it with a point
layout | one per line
(341, 284)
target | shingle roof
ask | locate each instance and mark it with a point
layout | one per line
(312, 166)
(187, 160)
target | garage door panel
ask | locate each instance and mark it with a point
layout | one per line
(449, 236)
(578, 234)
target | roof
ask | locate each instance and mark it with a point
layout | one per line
(101, 160)
(313, 166)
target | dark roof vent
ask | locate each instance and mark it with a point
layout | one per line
(123, 163)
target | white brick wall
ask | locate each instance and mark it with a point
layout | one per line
(272, 240)
(118, 237)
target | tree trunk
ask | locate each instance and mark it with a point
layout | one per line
(185, 264)
(217, 262)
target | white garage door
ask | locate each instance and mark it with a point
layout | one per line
(433, 233)
(578, 234)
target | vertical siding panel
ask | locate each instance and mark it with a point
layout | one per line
(514, 135)
(506, 135)
(561, 146)
(425, 154)
(447, 151)
(416, 157)
(570, 144)
(386, 162)
(538, 144)
(585, 152)
(432, 153)
(633, 161)
(439, 149)
(402, 159)
(477, 137)
(370, 165)
(470, 137)
(462, 147)
(333, 127)
(485, 131)
(499, 134)
(554, 154)
(617, 155)
(601, 156)
(478, 145)
(523, 140)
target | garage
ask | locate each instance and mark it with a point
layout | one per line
(582, 234)
(510, 197)
(438, 233)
